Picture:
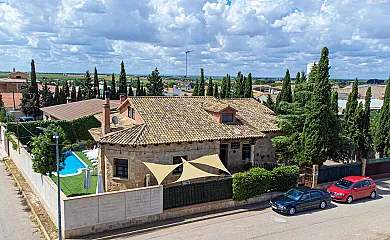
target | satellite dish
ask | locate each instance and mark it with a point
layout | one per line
(115, 120)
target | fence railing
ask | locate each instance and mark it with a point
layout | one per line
(378, 166)
(195, 193)
(335, 172)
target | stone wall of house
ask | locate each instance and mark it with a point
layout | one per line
(162, 154)
(15, 75)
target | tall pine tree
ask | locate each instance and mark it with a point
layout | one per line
(215, 92)
(303, 77)
(46, 96)
(298, 78)
(138, 91)
(210, 88)
(223, 87)
(366, 124)
(196, 88)
(86, 86)
(105, 88)
(229, 87)
(239, 85)
(286, 94)
(56, 95)
(96, 90)
(66, 88)
(155, 85)
(73, 94)
(382, 137)
(30, 95)
(122, 80)
(201, 90)
(114, 95)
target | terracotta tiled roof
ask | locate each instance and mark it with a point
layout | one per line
(76, 110)
(12, 80)
(184, 119)
(217, 106)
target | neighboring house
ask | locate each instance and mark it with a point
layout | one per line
(74, 110)
(175, 91)
(377, 91)
(14, 82)
(165, 129)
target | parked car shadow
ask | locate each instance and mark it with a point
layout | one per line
(363, 200)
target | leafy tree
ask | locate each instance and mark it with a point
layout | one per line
(215, 93)
(285, 95)
(248, 86)
(298, 78)
(269, 103)
(104, 88)
(122, 80)
(114, 95)
(30, 95)
(46, 96)
(3, 113)
(155, 85)
(73, 94)
(239, 85)
(201, 90)
(382, 137)
(138, 91)
(96, 90)
(196, 88)
(44, 151)
(86, 87)
(210, 90)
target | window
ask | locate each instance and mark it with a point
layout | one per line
(305, 197)
(315, 194)
(176, 160)
(367, 183)
(132, 113)
(121, 168)
(359, 184)
(246, 151)
(227, 117)
(235, 145)
(129, 112)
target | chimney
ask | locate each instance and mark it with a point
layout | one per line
(122, 97)
(68, 100)
(106, 115)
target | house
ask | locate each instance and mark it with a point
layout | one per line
(164, 130)
(13, 83)
(74, 110)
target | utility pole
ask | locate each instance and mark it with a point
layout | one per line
(187, 52)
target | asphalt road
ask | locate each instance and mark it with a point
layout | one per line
(363, 219)
(14, 219)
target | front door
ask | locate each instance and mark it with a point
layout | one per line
(223, 154)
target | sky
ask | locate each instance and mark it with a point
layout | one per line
(264, 37)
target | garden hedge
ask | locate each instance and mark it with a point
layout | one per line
(257, 181)
(74, 129)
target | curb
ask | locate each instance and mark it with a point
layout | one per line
(20, 189)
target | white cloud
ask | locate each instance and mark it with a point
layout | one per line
(264, 36)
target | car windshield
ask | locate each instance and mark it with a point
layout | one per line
(344, 184)
(293, 194)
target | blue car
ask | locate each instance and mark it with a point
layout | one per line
(300, 199)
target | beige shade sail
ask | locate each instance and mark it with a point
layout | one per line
(161, 171)
(191, 172)
(212, 161)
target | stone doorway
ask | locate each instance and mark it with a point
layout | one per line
(223, 154)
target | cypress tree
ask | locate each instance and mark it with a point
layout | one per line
(66, 88)
(114, 95)
(196, 88)
(201, 91)
(239, 84)
(144, 93)
(56, 95)
(30, 95)
(79, 95)
(215, 93)
(313, 73)
(382, 139)
(138, 91)
(298, 78)
(96, 90)
(62, 96)
(223, 87)
(285, 95)
(105, 88)
(210, 88)
(131, 93)
(334, 104)
(73, 94)
(366, 123)
(86, 87)
(155, 85)
(229, 87)
(352, 103)
(318, 131)
(47, 96)
(269, 103)
(357, 135)
(122, 80)
(248, 86)
(303, 77)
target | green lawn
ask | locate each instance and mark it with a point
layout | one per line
(74, 185)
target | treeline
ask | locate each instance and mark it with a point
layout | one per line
(241, 87)
(88, 88)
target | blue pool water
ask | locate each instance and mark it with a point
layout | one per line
(72, 164)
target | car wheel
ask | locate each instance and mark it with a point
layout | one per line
(373, 195)
(292, 211)
(323, 205)
(349, 199)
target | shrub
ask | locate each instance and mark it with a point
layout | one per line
(88, 144)
(257, 181)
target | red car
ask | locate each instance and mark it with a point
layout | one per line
(352, 188)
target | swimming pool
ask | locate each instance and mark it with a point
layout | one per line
(73, 165)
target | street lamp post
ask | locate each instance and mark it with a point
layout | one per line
(187, 52)
(58, 179)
